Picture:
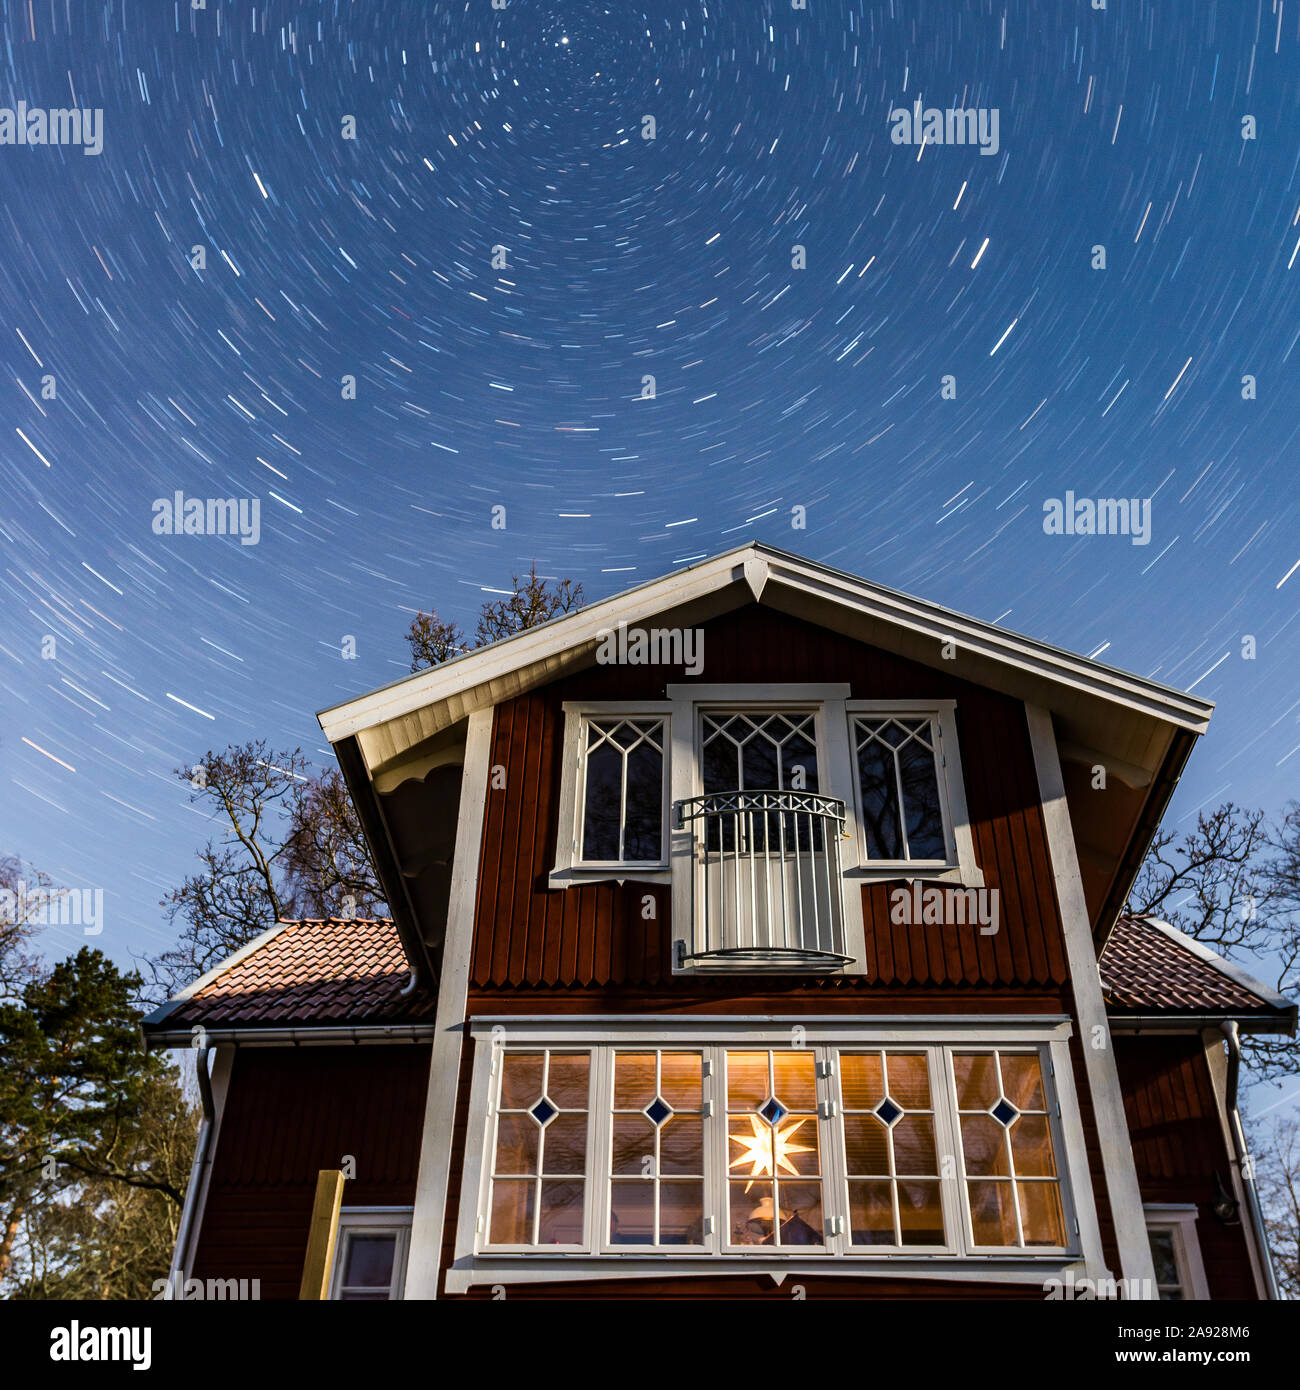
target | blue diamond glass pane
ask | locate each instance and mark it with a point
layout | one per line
(1004, 1112)
(888, 1111)
(773, 1111)
(542, 1111)
(658, 1111)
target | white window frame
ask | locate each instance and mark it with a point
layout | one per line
(395, 1221)
(959, 864)
(570, 868)
(1179, 1219)
(476, 1262)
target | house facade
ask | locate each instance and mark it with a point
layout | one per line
(758, 927)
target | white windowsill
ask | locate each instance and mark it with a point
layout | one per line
(938, 873)
(621, 873)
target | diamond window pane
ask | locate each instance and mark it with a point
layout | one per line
(543, 1111)
(657, 1112)
(887, 1111)
(369, 1262)
(1005, 1113)
(772, 1111)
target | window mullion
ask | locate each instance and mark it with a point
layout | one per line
(600, 1128)
(953, 1187)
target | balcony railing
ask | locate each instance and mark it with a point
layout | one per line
(766, 885)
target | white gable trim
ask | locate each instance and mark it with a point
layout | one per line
(761, 570)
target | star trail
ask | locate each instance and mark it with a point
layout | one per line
(655, 279)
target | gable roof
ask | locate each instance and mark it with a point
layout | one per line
(350, 973)
(763, 574)
(1150, 969)
(1139, 730)
(311, 974)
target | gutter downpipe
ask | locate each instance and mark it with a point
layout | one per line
(1242, 1158)
(198, 1171)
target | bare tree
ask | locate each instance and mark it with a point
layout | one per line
(1233, 882)
(534, 601)
(289, 844)
(1276, 1150)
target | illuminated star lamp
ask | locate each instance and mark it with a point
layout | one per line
(768, 1149)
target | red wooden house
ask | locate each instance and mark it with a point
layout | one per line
(757, 924)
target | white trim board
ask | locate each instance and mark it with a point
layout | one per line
(453, 987)
(801, 579)
(1118, 1168)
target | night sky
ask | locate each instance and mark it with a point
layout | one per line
(477, 386)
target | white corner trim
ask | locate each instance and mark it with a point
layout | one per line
(453, 986)
(1099, 1062)
(223, 1059)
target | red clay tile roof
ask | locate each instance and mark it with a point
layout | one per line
(310, 974)
(1149, 970)
(339, 972)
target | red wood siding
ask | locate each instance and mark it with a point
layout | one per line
(593, 936)
(1178, 1146)
(289, 1113)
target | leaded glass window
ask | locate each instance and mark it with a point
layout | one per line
(623, 791)
(899, 788)
(760, 751)
(1013, 1190)
(539, 1164)
(890, 1154)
